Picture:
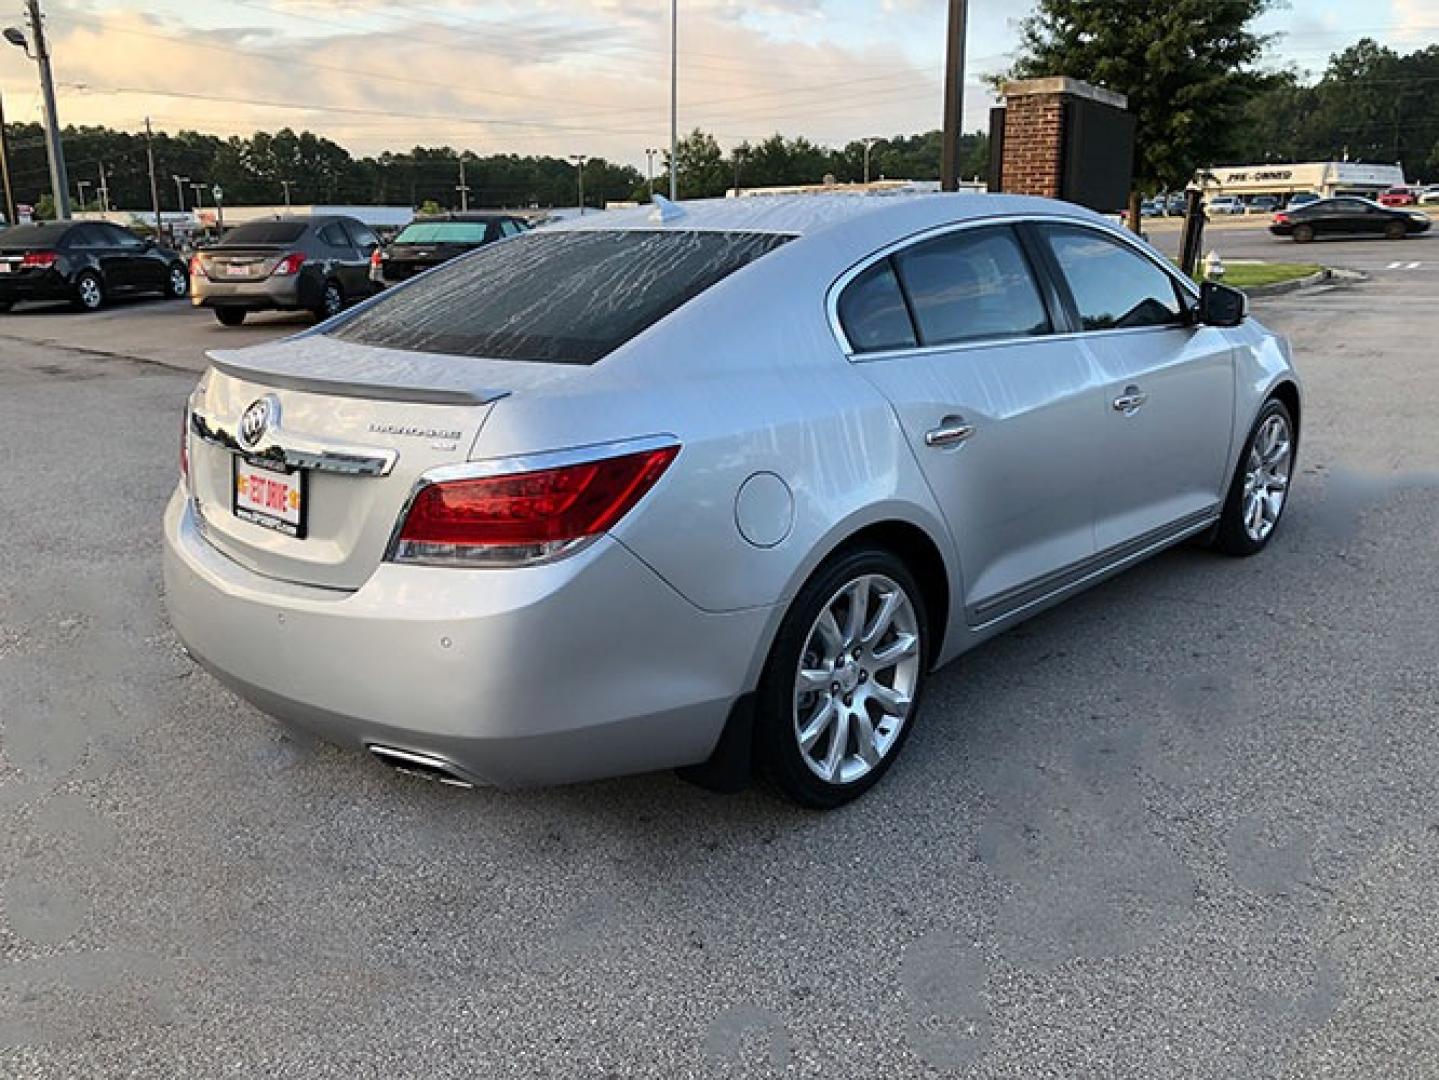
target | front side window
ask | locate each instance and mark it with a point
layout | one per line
(873, 313)
(558, 297)
(972, 285)
(1114, 287)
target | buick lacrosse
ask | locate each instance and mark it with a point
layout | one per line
(709, 486)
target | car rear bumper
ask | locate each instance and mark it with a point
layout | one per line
(588, 667)
(44, 285)
(283, 293)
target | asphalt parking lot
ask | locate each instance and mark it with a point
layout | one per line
(1182, 826)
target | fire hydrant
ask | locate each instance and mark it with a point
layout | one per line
(1213, 266)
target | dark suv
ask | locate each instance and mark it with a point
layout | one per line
(84, 262)
(316, 264)
(430, 241)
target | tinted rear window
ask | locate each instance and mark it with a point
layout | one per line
(562, 297)
(265, 232)
(48, 233)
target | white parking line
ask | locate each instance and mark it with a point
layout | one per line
(1397, 265)
(1412, 266)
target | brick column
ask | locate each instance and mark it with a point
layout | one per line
(1032, 158)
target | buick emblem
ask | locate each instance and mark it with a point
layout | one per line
(256, 420)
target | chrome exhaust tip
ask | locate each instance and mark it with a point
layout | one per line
(422, 765)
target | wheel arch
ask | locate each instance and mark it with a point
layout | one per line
(1287, 391)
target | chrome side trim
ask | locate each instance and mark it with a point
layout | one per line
(1123, 235)
(300, 451)
(1012, 601)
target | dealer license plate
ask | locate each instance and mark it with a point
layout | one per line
(271, 496)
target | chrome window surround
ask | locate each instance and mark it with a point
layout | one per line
(516, 465)
(1186, 287)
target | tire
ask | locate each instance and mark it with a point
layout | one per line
(1239, 532)
(332, 301)
(177, 281)
(850, 699)
(230, 316)
(1303, 234)
(89, 291)
(1395, 230)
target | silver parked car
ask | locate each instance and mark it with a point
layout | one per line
(710, 484)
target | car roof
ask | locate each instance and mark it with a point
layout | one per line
(808, 215)
(466, 215)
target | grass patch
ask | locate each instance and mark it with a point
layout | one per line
(1248, 275)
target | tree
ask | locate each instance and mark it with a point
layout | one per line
(1186, 67)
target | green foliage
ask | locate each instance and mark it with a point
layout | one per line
(44, 208)
(1186, 67)
(1370, 104)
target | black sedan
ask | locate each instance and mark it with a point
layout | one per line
(1347, 216)
(429, 241)
(84, 262)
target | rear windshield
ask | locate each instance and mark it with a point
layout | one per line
(443, 232)
(45, 233)
(560, 297)
(265, 232)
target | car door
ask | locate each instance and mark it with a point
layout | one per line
(366, 243)
(344, 260)
(142, 265)
(1167, 407)
(957, 331)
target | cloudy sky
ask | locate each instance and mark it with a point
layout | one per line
(559, 76)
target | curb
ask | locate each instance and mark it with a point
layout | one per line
(1322, 276)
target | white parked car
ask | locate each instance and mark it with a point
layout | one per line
(710, 485)
(1224, 204)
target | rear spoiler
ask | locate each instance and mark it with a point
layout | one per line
(313, 364)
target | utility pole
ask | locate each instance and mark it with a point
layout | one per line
(674, 99)
(953, 94)
(650, 156)
(579, 160)
(5, 169)
(59, 182)
(154, 188)
(180, 182)
(80, 186)
(286, 185)
(739, 156)
(463, 188)
(104, 190)
(869, 142)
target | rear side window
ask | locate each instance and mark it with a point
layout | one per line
(265, 232)
(558, 297)
(873, 313)
(1113, 286)
(972, 285)
(334, 234)
(444, 232)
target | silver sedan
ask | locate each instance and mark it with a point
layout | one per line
(711, 486)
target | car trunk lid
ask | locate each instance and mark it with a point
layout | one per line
(251, 262)
(352, 428)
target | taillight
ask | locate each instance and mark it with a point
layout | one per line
(376, 259)
(1281, 218)
(39, 260)
(520, 518)
(290, 264)
(197, 268)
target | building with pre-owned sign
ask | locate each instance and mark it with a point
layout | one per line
(1322, 177)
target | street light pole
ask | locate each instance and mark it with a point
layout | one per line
(953, 94)
(199, 189)
(5, 169)
(180, 182)
(59, 182)
(650, 153)
(579, 160)
(286, 185)
(80, 186)
(463, 188)
(674, 99)
(104, 190)
(869, 142)
(154, 187)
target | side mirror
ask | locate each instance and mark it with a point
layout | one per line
(1221, 305)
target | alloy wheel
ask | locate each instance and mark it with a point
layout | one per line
(856, 680)
(179, 281)
(1266, 477)
(333, 301)
(90, 294)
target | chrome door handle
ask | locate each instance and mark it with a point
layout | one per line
(1130, 401)
(951, 432)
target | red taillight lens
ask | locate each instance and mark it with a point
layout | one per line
(525, 517)
(1281, 218)
(290, 264)
(39, 260)
(197, 268)
(376, 259)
